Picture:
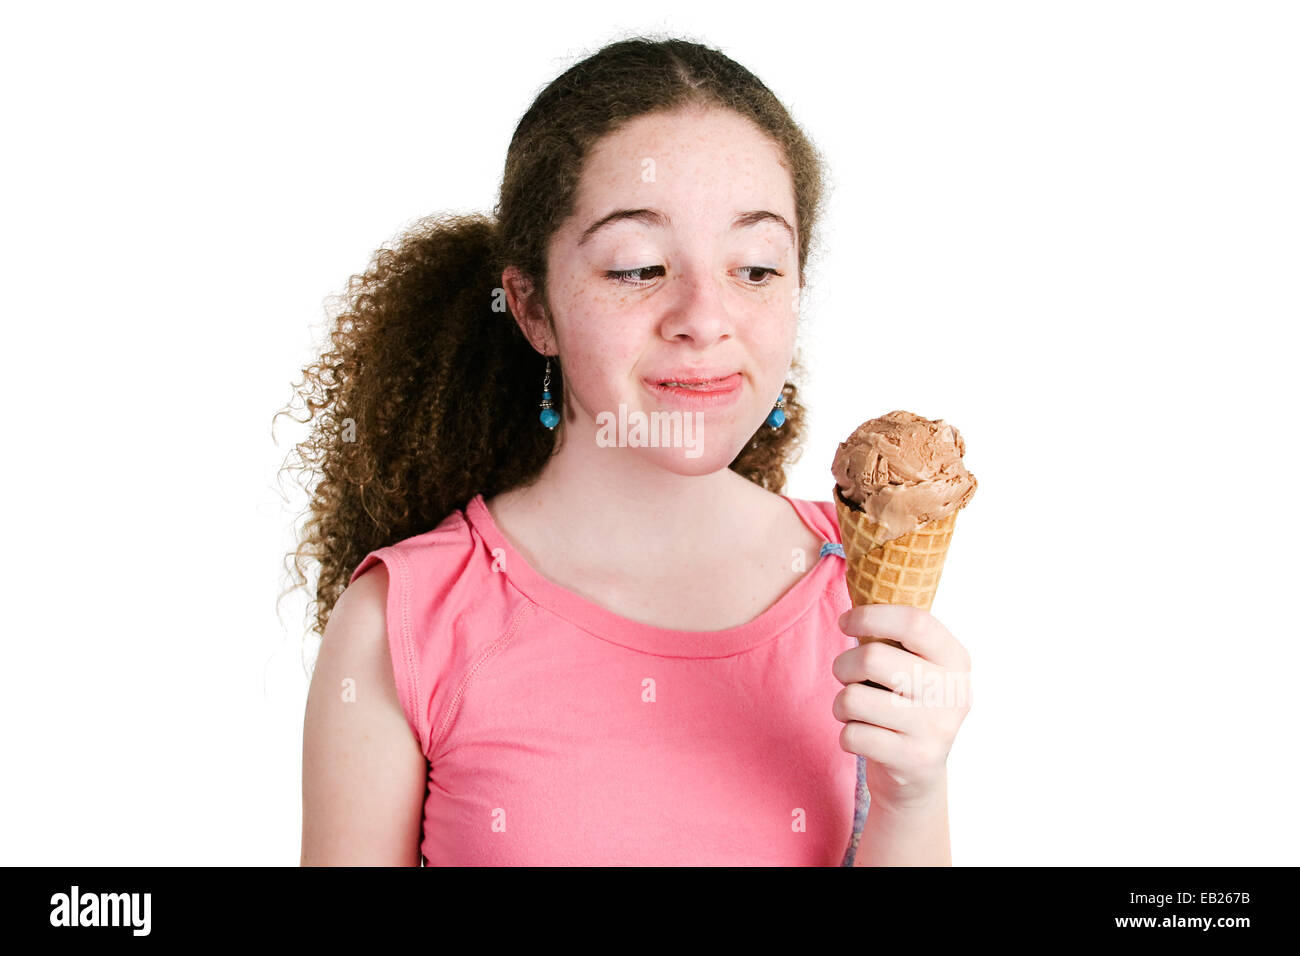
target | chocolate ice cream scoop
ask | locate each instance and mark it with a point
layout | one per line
(903, 471)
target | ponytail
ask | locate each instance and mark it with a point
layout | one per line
(424, 398)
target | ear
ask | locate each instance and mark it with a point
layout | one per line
(528, 309)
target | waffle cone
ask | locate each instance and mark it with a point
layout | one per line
(905, 570)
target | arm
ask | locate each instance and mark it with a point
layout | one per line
(363, 772)
(912, 836)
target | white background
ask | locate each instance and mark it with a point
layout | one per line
(1070, 229)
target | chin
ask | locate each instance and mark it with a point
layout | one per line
(687, 461)
(686, 443)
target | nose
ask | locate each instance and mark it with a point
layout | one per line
(696, 309)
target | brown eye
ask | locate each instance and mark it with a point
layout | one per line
(767, 279)
(625, 275)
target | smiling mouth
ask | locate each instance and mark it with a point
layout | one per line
(723, 384)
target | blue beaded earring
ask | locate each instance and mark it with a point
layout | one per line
(549, 417)
(776, 417)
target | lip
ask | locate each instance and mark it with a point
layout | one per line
(719, 390)
(693, 376)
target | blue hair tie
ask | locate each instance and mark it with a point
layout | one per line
(832, 547)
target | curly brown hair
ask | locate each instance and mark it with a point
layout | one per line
(427, 366)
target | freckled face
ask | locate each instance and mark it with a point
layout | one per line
(695, 288)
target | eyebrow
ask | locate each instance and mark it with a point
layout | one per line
(653, 217)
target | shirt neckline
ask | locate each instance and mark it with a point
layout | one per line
(616, 629)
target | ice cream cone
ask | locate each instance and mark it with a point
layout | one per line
(891, 475)
(905, 570)
(902, 571)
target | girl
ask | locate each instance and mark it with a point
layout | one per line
(567, 615)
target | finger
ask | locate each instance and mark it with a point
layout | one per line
(870, 705)
(855, 665)
(883, 665)
(916, 629)
(880, 744)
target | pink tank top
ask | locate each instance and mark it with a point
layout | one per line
(561, 734)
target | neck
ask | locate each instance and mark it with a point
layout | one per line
(614, 500)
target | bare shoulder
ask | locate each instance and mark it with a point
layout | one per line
(355, 643)
(361, 610)
(364, 773)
